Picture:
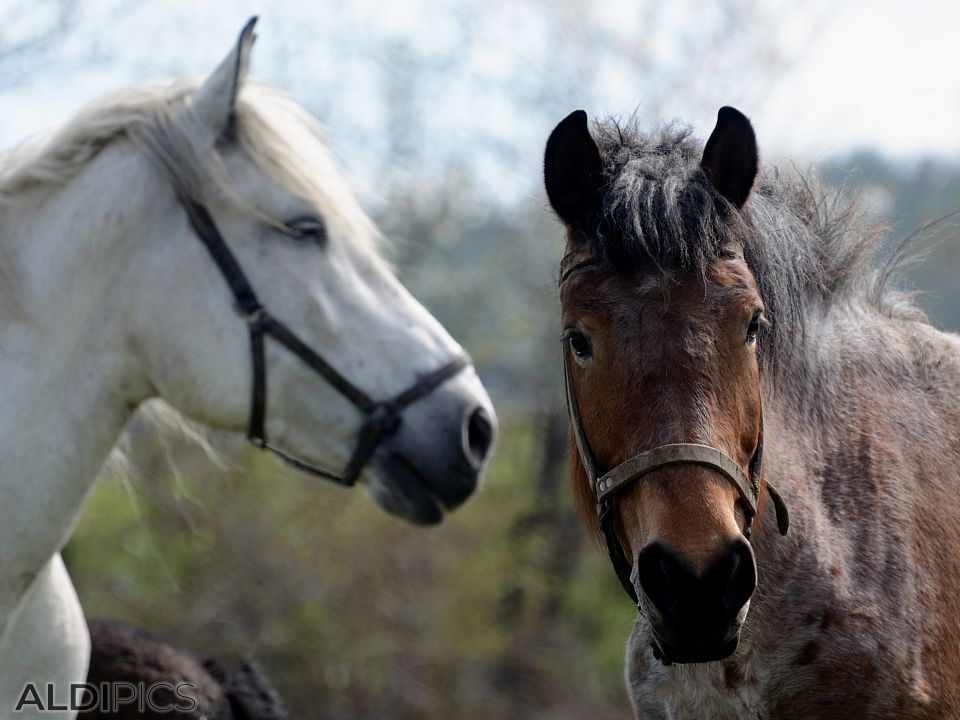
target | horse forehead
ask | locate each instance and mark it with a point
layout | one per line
(679, 327)
(689, 301)
(594, 288)
(697, 299)
(253, 183)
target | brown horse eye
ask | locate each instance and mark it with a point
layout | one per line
(580, 345)
(753, 328)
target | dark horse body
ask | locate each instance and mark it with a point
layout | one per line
(856, 612)
(129, 666)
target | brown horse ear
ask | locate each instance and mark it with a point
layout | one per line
(572, 168)
(730, 157)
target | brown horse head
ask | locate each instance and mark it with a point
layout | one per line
(661, 315)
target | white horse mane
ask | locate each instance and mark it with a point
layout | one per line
(279, 137)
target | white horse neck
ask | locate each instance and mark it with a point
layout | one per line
(70, 381)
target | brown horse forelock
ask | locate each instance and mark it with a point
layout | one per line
(669, 366)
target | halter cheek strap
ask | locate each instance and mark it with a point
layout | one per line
(381, 419)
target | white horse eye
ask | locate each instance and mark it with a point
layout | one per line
(307, 229)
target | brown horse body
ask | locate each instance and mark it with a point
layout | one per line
(856, 612)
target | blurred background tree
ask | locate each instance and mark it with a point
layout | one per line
(439, 111)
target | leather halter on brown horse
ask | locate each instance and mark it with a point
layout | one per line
(607, 484)
(381, 418)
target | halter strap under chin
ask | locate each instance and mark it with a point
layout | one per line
(607, 484)
(381, 418)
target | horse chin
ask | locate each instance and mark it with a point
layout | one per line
(689, 650)
(400, 489)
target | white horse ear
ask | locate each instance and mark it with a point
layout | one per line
(215, 100)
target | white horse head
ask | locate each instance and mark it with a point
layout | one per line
(255, 160)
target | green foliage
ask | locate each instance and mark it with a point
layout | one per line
(352, 612)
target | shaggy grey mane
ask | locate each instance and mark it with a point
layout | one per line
(811, 251)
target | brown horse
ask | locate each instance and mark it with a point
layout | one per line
(706, 320)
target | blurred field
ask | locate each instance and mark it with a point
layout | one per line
(501, 612)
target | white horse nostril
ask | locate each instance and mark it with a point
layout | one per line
(478, 438)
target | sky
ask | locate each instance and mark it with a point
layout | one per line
(882, 74)
(850, 75)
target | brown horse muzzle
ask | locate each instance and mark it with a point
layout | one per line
(695, 617)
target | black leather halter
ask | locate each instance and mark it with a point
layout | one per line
(607, 484)
(381, 419)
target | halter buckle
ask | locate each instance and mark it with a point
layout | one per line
(383, 420)
(254, 316)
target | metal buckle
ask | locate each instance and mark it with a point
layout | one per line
(253, 317)
(383, 420)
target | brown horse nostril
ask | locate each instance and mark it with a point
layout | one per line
(477, 438)
(736, 572)
(662, 577)
(682, 595)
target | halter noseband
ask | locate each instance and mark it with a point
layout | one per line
(607, 484)
(381, 419)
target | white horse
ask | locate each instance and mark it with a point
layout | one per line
(111, 298)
